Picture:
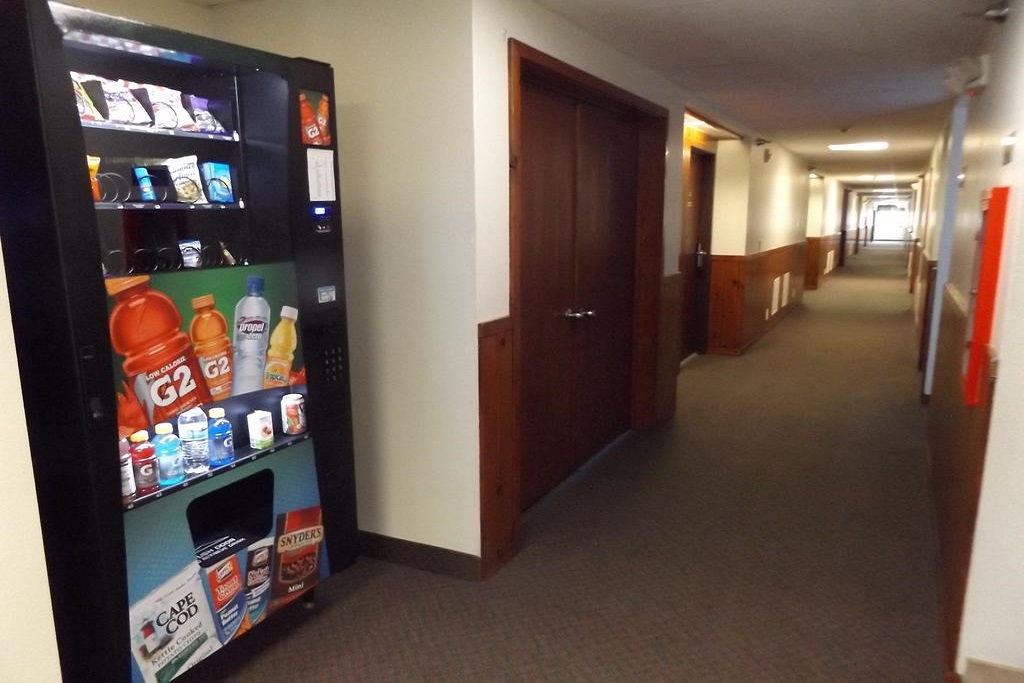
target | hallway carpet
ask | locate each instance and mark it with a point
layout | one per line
(778, 530)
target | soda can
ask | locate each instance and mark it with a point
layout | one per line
(293, 414)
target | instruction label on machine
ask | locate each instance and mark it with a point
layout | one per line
(320, 171)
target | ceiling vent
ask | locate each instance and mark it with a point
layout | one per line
(967, 74)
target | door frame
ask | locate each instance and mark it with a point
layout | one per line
(538, 67)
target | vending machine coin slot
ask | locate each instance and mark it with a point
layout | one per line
(92, 379)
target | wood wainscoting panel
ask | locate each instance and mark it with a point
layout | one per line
(957, 438)
(743, 304)
(499, 464)
(929, 270)
(725, 315)
(762, 270)
(668, 344)
(815, 263)
(830, 244)
(652, 132)
(818, 261)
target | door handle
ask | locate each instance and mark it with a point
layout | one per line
(700, 254)
(579, 315)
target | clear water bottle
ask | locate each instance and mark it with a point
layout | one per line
(194, 432)
(222, 443)
(169, 457)
(251, 331)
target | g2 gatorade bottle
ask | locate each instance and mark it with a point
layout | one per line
(145, 328)
(209, 333)
(323, 118)
(251, 329)
(310, 127)
(144, 463)
(283, 341)
(222, 441)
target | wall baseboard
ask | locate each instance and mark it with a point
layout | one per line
(420, 556)
(984, 672)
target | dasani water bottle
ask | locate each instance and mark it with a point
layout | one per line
(193, 430)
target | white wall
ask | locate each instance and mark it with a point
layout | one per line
(833, 220)
(934, 179)
(824, 207)
(777, 215)
(730, 210)
(29, 652)
(494, 23)
(404, 102)
(816, 207)
(993, 623)
(176, 14)
(946, 194)
(426, 223)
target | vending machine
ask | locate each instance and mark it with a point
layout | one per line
(171, 233)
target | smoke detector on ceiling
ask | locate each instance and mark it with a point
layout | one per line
(997, 12)
(966, 74)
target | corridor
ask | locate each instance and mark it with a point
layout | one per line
(778, 530)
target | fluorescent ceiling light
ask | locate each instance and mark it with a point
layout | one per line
(886, 176)
(860, 147)
(866, 176)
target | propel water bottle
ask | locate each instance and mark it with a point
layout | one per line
(251, 330)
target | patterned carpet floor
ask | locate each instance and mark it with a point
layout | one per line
(777, 530)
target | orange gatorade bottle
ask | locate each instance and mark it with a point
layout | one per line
(209, 333)
(283, 341)
(323, 118)
(310, 127)
(145, 328)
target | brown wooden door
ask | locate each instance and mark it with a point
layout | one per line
(695, 255)
(578, 166)
(546, 288)
(605, 220)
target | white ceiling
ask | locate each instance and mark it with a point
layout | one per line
(803, 73)
(799, 72)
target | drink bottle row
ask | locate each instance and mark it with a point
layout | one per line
(203, 442)
(180, 382)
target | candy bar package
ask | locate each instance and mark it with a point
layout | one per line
(172, 628)
(218, 182)
(121, 105)
(200, 108)
(165, 106)
(185, 176)
(86, 109)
